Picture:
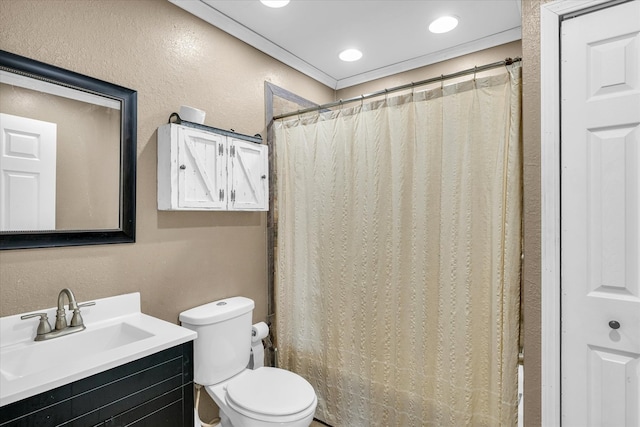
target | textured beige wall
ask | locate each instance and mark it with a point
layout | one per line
(180, 259)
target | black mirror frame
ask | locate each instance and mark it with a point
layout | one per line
(128, 158)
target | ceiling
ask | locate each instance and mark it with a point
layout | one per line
(393, 35)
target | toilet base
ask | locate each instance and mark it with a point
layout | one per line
(224, 420)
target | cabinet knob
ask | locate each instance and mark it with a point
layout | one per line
(183, 167)
(263, 177)
(614, 324)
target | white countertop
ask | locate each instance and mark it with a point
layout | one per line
(45, 365)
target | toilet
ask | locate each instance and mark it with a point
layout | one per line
(257, 397)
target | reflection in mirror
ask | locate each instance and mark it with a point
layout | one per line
(60, 158)
(67, 159)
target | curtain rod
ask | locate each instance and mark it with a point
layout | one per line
(411, 85)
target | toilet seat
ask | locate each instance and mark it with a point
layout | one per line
(271, 394)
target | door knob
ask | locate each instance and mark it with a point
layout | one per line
(614, 324)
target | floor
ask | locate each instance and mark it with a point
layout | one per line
(317, 424)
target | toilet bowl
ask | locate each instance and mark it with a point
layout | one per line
(257, 397)
(265, 397)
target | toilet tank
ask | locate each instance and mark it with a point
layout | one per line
(223, 346)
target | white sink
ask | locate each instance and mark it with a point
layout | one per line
(116, 333)
(32, 357)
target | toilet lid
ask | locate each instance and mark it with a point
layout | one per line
(271, 391)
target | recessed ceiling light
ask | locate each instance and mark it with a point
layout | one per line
(275, 3)
(350, 55)
(443, 24)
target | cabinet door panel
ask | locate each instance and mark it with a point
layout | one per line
(201, 174)
(249, 176)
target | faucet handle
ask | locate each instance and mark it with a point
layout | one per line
(76, 319)
(43, 327)
(87, 304)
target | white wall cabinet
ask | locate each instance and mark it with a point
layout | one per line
(211, 169)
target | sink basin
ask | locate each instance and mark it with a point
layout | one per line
(116, 333)
(33, 357)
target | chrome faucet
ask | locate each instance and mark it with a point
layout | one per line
(61, 314)
(45, 332)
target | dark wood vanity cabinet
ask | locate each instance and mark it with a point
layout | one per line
(156, 390)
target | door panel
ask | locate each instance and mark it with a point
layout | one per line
(613, 396)
(613, 189)
(600, 217)
(27, 174)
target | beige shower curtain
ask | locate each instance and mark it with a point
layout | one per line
(398, 256)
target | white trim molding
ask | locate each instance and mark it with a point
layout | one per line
(550, 219)
(207, 13)
(551, 15)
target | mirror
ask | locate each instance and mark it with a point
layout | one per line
(67, 158)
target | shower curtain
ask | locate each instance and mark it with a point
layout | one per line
(398, 256)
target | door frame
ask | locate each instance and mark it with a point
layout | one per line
(551, 16)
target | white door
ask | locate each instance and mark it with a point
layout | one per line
(202, 169)
(27, 174)
(249, 176)
(600, 217)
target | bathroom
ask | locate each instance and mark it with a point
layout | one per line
(181, 260)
